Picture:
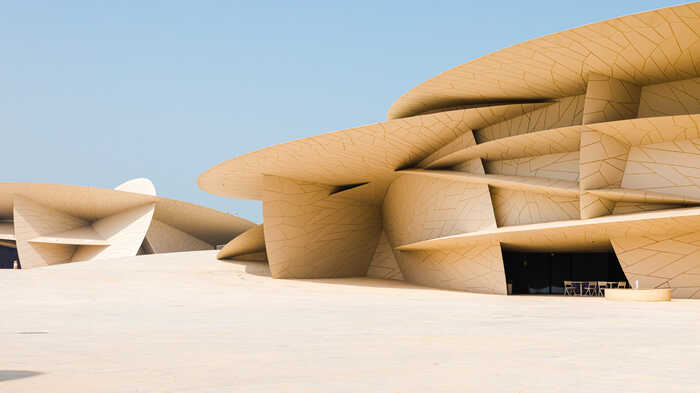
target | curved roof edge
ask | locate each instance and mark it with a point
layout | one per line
(644, 48)
(139, 185)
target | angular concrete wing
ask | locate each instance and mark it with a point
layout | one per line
(249, 244)
(51, 223)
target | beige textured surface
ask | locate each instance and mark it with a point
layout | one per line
(566, 112)
(7, 231)
(383, 264)
(523, 183)
(516, 207)
(563, 166)
(460, 143)
(646, 48)
(250, 241)
(609, 99)
(662, 260)
(123, 231)
(560, 140)
(630, 195)
(312, 234)
(176, 323)
(602, 161)
(672, 98)
(476, 269)
(85, 235)
(139, 186)
(418, 208)
(639, 295)
(624, 207)
(577, 235)
(369, 153)
(47, 236)
(671, 168)
(166, 238)
(34, 220)
(650, 130)
(61, 223)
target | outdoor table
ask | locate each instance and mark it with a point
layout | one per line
(578, 286)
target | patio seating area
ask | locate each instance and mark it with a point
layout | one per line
(590, 288)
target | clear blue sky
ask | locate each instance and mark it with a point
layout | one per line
(96, 93)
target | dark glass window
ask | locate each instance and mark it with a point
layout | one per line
(7, 256)
(545, 273)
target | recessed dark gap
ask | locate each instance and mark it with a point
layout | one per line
(346, 187)
(545, 272)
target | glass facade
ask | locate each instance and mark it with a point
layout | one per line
(544, 273)
(7, 256)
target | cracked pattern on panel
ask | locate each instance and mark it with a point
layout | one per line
(669, 167)
(646, 48)
(474, 166)
(63, 223)
(610, 99)
(368, 153)
(475, 269)
(92, 204)
(652, 129)
(166, 238)
(310, 234)
(563, 166)
(592, 205)
(566, 112)
(383, 264)
(662, 261)
(538, 143)
(250, 241)
(418, 208)
(123, 231)
(461, 142)
(521, 183)
(34, 220)
(672, 98)
(632, 195)
(602, 162)
(588, 235)
(624, 207)
(513, 207)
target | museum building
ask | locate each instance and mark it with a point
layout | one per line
(574, 156)
(47, 224)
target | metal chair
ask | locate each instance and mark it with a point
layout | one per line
(602, 286)
(569, 288)
(592, 288)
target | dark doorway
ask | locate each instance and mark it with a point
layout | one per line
(544, 273)
(7, 257)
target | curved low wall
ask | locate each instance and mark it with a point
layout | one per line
(639, 295)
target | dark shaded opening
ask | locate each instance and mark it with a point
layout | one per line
(8, 375)
(545, 273)
(346, 187)
(7, 257)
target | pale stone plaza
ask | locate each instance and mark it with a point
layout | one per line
(187, 322)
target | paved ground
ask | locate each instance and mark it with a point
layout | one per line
(187, 323)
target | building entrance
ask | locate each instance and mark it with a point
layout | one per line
(7, 257)
(545, 273)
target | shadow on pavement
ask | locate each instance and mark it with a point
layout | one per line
(8, 375)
